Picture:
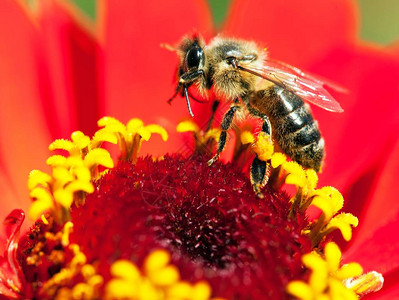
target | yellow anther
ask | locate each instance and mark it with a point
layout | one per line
(160, 280)
(43, 201)
(144, 133)
(278, 159)
(318, 278)
(201, 291)
(344, 222)
(79, 185)
(88, 271)
(121, 289)
(41, 194)
(312, 177)
(112, 125)
(44, 220)
(102, 135)
(134, 124)
(366, 283)
(326, 206)
(294, 168)
(98, 157)
(80, 140)
(180, 290)
(37, 177)
(125, 269)
(62, 175)
(187, 125)
(95, 280)
(66, 232)
(213, 133)
(327, 279)
(333, 196)
(37, 208)
(154, 128)
(338, 291)
(247, 137)
(105, 121)
(156, 260)
(62, 144)
(56, 161)
(300, 290)
(333, 256)
(348, 271)
(81, 173)
(165, 276)
(82, 291)
(63, 197)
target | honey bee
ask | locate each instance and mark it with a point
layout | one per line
(241, 73)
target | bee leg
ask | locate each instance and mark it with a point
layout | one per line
(260, 170)
(215, 106)
(226, 123)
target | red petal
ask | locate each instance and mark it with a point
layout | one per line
(376, 245)
(139, 74)
(385, 195)
(294, 31)
(69, 78)
(380, 251)
(10, 271)
(23, 135)
(357, 140)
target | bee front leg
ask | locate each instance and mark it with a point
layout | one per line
(226, 124)
(260, 170)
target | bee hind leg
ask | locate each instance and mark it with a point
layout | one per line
(260, 170)
(260, 173)
(226, 124)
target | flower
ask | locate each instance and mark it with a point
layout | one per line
(174, 227)
(68, 73)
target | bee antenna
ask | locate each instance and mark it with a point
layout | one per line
(188, 102)
(168, 47)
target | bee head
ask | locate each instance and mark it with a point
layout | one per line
(194, 56)
(191, 68)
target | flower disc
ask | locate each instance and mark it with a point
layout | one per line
(208, 218)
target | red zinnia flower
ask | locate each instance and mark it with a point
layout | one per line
(59, 72)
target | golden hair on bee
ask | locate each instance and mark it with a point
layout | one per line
(230, 82)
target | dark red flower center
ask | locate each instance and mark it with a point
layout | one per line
(208, 218)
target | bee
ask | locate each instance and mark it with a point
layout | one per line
(241, 73)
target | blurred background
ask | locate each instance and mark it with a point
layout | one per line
(379, 19)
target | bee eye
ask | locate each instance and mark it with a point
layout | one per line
(194, 57)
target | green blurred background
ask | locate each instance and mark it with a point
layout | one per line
(379, 18)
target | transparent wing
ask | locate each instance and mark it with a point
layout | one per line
(306, 86)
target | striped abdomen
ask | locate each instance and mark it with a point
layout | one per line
(293, 126)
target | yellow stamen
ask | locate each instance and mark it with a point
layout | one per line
(130, 137)
(278, 159)
(159, 280)
(66, 232)
(187, 126)
(80, 140)
(344, 222)
(328, 280)
(62, 284)
(203, 140)
(37, 178)
(44, 220)
(366, 283)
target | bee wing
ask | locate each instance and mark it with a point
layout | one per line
(306, 86)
